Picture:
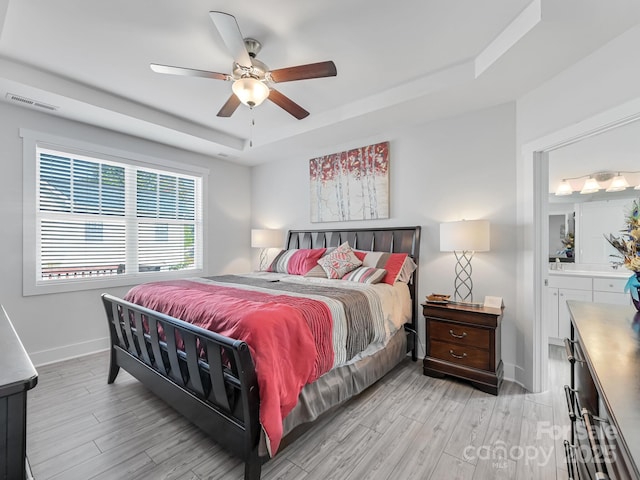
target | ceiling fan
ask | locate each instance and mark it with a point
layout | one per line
(252, 79)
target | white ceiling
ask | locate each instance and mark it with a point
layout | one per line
(399, 63)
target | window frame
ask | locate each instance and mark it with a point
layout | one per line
(31, 284)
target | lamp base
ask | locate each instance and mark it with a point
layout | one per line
(263, 259)
(463, 285)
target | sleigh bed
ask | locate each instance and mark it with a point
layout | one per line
(214, 380)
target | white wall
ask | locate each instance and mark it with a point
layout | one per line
(608, 77)
(57, 326)
(461, 167)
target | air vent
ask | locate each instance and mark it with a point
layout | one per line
(27, 101)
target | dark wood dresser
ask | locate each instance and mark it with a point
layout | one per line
(604, 396)
(17, 375)
(464, 342)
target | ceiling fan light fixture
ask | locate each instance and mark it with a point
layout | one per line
(618, 184)
(564, 189)
(590, 186)
(251, 91)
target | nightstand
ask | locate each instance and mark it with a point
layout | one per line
(464, 342)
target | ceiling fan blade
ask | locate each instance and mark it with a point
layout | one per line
(189, 72)
(231, 36)
(287, 104)
(304, 72)
(230, 106)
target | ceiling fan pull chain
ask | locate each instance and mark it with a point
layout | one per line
(253, 122)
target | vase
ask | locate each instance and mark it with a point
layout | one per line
(634, 290)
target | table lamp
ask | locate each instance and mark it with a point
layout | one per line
(464, 238)
(264, 240)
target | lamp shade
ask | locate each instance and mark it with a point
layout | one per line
(590, 186)
(564, 188)
(251, 91)
(465, 235)
(261, 238)
(618, 183)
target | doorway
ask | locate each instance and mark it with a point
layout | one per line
(533, 187)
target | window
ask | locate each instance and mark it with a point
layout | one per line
(100, 218)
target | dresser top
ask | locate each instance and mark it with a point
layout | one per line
(16, 370)
(610, 338)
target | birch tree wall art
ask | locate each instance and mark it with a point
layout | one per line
(351, 185)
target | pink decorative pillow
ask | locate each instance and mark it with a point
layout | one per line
(339, 262)
(318, 271)
(366, 275)
(393, 263)
(296, 261)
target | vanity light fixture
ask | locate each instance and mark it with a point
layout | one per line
(618, 184)
(593, 183)
(564, 188)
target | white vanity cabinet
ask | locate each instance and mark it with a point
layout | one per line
(610, 290)
(560, 290)
(566, 285)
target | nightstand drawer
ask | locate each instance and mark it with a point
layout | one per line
(460, 354)
(461, 334)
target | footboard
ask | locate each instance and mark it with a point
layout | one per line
(209, 378)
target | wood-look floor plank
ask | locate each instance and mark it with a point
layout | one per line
(496, 469)
(58, 464)
(128, 469)
(536, 454)
(381, 459)
(343, 459)
(422, 454)
(452, 468)
(506, 420)
(66, 440)
(99, 464)
(407, 426)
(218, 465)
(426, 393)
(172, 466)
(472, 427)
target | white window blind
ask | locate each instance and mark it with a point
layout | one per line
(98, 218)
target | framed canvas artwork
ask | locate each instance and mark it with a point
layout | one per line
(350, 185)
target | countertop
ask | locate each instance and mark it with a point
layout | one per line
(621, 273)
(610, 338)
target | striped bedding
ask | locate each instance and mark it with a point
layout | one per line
(297, 328)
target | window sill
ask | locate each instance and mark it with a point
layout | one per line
(97, 283)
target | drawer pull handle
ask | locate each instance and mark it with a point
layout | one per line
(570, 457)
(569, 350)
(454, 335)
(594, 444)
(457, 356)
(569, 396)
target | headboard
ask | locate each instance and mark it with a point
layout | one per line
(391, 239)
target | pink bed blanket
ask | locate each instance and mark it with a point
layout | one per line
(289, 336)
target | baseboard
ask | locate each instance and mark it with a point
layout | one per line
(67, 352)
(514, 373)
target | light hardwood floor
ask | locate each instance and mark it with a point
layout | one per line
(407, 426)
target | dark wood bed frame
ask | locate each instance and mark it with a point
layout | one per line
(218, 390)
